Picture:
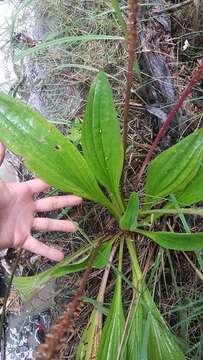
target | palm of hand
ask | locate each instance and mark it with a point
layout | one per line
(16, 214)
(17, 209)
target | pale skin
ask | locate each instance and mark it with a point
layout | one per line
(17, 215)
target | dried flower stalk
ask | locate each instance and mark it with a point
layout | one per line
(132, 24)
(64, 325)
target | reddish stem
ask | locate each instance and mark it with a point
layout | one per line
(196, 76)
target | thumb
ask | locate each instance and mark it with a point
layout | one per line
(2, 153)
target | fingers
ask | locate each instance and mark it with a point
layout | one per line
(37, 185)
(2, 152)
(56, 202)
(45, 224)
(35, 246)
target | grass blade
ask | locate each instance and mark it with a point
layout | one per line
(65, 40)
(114, 324)
(119, 15)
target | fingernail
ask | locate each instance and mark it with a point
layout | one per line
(59, 256)
(78, 199)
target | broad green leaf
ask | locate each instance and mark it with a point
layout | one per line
(174, 168)
(46, 151)
(160, 337)
(29, 285)
(149, 336)
(145, 338)
(114, 324)
(135, 331)
(101, 137)
(175, 241)
(129, 218)
(193, 192)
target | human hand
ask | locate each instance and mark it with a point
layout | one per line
(17, 220)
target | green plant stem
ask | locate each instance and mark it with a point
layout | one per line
(113, 207)
(100, 296)
(186, 227)
(118, 203)
(120, 259)
(7, 295)
(114, 238)
(137, 273)
(138, 277)
(133, 309)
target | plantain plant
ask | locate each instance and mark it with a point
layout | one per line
(95, 174)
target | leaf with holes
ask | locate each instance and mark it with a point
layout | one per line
(101, 139)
